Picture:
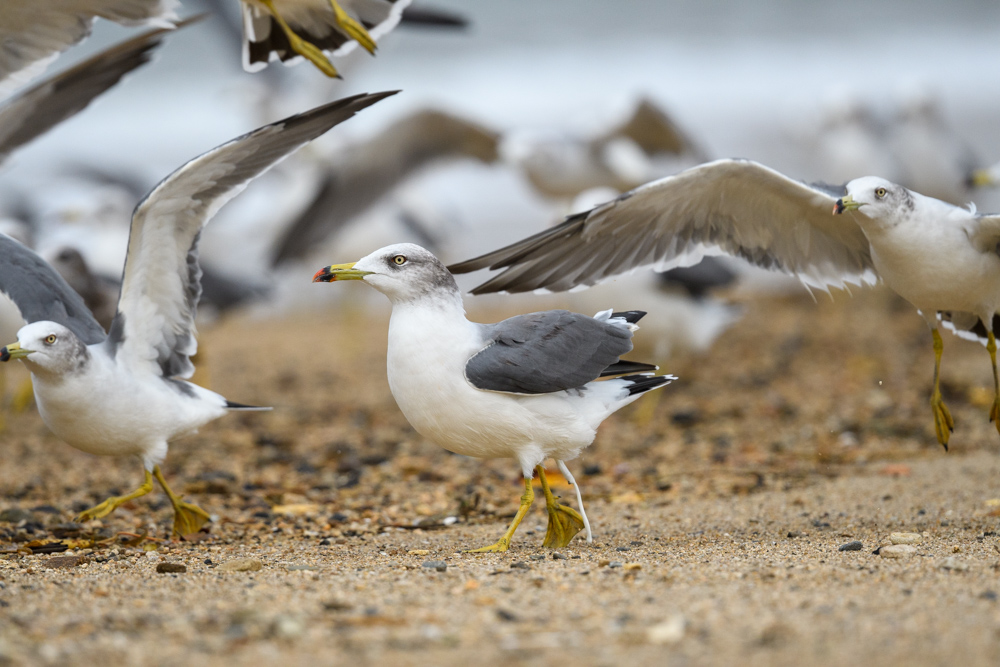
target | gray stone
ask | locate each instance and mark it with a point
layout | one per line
(438, 565)
(856, 545)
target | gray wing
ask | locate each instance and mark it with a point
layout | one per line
(154, 327)
(34, 32)
(41, 294)
(42, 107)
(364, 174)
(546, 352)
(737, 207)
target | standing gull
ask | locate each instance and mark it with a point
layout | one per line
(124, 393)
(522, 388)
(941, 258)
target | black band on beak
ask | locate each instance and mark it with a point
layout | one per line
(4, 354)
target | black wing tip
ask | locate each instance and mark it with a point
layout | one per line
(640, 384)
(230, 405)
(625, 367)
(630, 316)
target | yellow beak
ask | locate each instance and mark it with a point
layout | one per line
(846, 204)
(339, 272)
(13, 351)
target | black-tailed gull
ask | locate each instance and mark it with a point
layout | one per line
(124, 392)
(288, 29)
(522, 388)
(941, 258)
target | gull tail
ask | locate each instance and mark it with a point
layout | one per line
(246, 408)
(640, 384)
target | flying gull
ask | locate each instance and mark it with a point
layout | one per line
(941, 258)
(124, 392)
(522, 388)
(34, 32)
(289, 29)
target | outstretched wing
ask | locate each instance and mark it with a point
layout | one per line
(34, 32)
(545, 352)
(42, 107)
(737, 207)
(41, 294)
(154, 327)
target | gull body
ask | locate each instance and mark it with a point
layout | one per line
(89, 400)
(524, 388)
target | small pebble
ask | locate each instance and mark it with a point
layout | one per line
(905, 538)
(613, 564)
(856, 545)
(623, 549)
(988, 595)
(418, 552)
(505, 615)
(897, 551)
(438, 565)
(795, 533)
(520, 565)
(537, 557)
(168, 568)
(242, 565)
(558, 556)
(64, 562)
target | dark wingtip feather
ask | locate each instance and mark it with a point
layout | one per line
(248, 408)
(630, 316)
(640, 384)
(624, 367)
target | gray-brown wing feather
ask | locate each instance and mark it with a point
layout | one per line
(736, 207)
(44, 106)
(546, 352)
(154, 327)
(41, 294)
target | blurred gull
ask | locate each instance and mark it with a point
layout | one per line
(649, 144)
(34, 32)
(124, 392)
(358, 176)
(935, 160)
(522, 388)
(38, 109)
(941, 258)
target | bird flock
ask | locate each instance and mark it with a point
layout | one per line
(111, 359)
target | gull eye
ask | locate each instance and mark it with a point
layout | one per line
(50, 339)
(880, 192)
(399, 260)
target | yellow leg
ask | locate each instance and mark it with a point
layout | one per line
(944, 425)
(353, 29)
(114, 502)
(503, 543)
(564, 522)
(305, 49)
(991, 346)
(23, 397)
(188, 518)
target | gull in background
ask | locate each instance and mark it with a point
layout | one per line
(941, 258)
(125, 393)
